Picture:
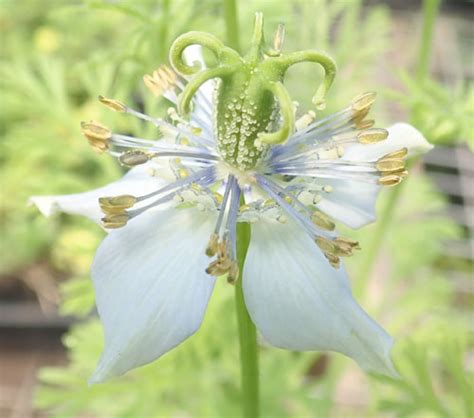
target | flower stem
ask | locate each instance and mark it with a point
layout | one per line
(247, 330)
(430, 11)
(231, 23)
(247, 333)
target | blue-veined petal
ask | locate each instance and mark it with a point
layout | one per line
(299, 302)
(353, 202)
(350, 202)
(137, 181)
(151, 287)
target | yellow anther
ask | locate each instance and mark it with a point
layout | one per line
(364, 124)
(95, 130)
(334, 260)
(390, 180)
(371, 136)
(115, 221)
(162, 79)
(390, 164)
(323, 221)
(243, 208)
(196, 130)
(269, 202)
(288, 199)
(326, 245)
(345, 247)
(116, 204)
(97, 135)
(133, 158)
(233, 273)
(402, 153)
(184, 141)
(364, 100)
(219, 198)
(113, 104)
(183, 173)
(347, 241)
(212, 245)
(196, 187)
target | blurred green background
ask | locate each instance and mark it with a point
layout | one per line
(414, 273)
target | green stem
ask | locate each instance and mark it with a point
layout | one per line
(231, 23)
(163, 35)
(430, 11)
(371, 251)
(247, 330)
(247, 333)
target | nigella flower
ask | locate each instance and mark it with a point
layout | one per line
(232, 137)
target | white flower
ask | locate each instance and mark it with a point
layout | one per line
(153, 275)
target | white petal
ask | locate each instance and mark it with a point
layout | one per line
(137, 181)
(151, 287)
(350, 202)
(299, 302)
(400, 135)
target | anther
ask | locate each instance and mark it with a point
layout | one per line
(390, 164)
(402, 153)
(372, 136)
(133, 158)
(97, 135)
(115, 221)
(116, 204)
(334, 260)
(113, 104)
(326, 245)
(323, 221)
(305, 120)
(364, 100)
(364, 124)
(233, 273)
(390, 180)
(212, 246)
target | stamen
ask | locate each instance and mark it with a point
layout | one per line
(97, 135)
(116, 204)
(162, 80)
(390, 180)
(305, 120)
(212, 246)
(371, 136)
(114, 221)
(113, 104)
(402, 153)
(390, 164)
(225, 246)
(133, 158)
(322, 220)
(363, 101)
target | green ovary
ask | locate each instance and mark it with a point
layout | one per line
(244, 110)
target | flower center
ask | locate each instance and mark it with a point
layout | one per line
(253, 108)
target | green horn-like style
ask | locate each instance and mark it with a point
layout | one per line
(254, 109)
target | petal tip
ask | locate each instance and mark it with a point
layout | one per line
(410, 137)
(45, 204)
